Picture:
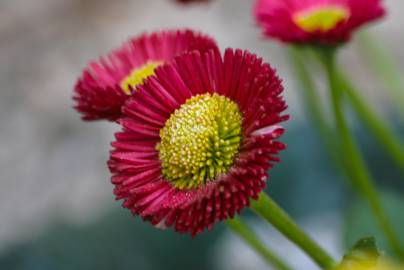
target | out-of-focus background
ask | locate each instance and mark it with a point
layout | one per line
(56, 205)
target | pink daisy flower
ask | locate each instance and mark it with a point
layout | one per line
(198, 139)
(105, 84)
(327, 22)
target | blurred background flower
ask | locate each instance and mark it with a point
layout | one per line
(56, 209)
(105, 84)
(316, 21)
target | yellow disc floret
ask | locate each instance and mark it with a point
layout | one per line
(138, 75)
(321, 19)
(200, 140)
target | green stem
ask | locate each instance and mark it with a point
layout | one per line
(377, 126)
(385, 68)
(242, 230)
(351, 157)
(311, 100)
(270, 211)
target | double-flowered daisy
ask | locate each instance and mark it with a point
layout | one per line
(198, 139)
(105, 85)
(326, 22)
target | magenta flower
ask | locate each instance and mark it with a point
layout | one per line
(327, 22)
(198, 139)
(105, 85)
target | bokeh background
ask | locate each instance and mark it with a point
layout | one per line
(56, 205)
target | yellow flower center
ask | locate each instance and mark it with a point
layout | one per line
(321, 19)
(138, 76)
(200, 140)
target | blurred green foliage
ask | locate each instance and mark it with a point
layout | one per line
(116, 241)
(305, 184)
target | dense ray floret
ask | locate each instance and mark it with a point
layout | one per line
(192, 88)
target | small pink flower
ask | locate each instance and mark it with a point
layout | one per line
(327, 22)
(106, 84)
(198, 139)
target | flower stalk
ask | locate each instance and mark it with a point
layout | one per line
(276, 216)
(377, 126)
(351, 158)
(246, 233)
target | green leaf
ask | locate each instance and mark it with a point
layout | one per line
(363, 253)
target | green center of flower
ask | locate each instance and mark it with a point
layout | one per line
(321, 19)
(200, 140)
(138, 75)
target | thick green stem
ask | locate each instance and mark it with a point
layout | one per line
(243, 231)
(351, 157)
(384, 67)
(271, 212)
(377, 126)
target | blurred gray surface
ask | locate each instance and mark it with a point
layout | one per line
(52, 165)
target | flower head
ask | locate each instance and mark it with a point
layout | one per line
(198, 139)
(105, 85)
(326, 22)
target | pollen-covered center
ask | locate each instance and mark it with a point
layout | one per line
(322, 19)
(200, 140)
(138, 75)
